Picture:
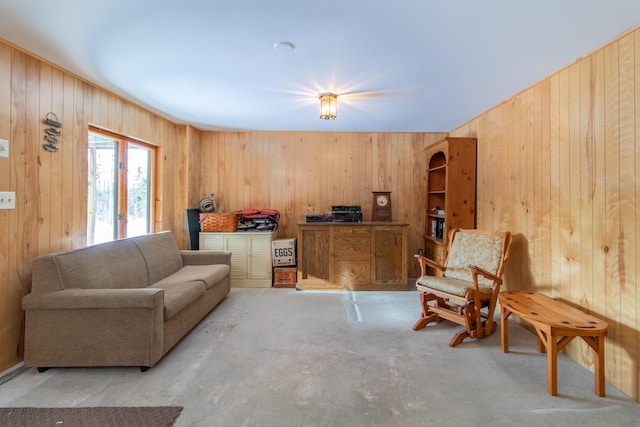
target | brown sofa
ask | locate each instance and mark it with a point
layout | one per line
(122, 303)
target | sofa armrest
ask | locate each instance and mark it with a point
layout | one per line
(94, 327)
(76, 298)
(204, 257)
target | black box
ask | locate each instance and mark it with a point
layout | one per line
(319, 218)
(346, 213)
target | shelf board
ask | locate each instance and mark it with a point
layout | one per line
(434, 239)
(437, 168)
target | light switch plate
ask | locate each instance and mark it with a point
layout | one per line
(4, 148)
(7, 200)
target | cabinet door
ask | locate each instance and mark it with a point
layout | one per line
(212, 241)
(390, 253)
(238, 248)
(314, 257)
(259, 258)
(352, 256)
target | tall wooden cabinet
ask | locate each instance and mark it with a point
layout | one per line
(354, 256)
(250, 256)
(451, 192)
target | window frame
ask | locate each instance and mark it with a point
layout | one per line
(121, 185)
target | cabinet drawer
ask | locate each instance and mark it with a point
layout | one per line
(340, 231)
(352, 248)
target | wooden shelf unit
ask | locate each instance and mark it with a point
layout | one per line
(451, 192)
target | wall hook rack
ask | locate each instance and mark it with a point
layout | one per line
(52, 133)
(52, 120)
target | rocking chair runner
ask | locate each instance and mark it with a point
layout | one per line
(467, 292)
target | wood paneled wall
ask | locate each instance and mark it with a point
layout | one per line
(51, 188)
(559, 167)
(296, 172)
(300, 173)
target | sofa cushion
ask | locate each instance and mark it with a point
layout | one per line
(209, 274)
(161, 254)
(178, 296)
(112, 265)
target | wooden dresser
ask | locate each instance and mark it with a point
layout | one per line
(356, 256)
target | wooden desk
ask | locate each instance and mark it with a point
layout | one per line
(551, 319)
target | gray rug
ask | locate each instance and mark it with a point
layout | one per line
(152, 416)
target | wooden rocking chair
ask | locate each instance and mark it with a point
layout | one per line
(467, 291)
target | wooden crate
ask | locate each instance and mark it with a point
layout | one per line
(284, 277)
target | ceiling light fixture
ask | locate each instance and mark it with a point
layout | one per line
(328, 106)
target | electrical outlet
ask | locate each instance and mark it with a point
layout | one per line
(4, 148)
(7, 200)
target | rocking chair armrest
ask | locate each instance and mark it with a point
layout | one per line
(431, 263)
(479, 270)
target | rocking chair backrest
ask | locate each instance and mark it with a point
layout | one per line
(472, 247)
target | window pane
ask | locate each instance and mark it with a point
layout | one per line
(138, 180)
(101, 221)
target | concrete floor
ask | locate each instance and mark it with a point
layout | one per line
(280, 357)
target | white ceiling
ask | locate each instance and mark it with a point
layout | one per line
(397, 65)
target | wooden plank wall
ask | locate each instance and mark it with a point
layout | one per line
(559, 167)
(50, 188)
(300, 173)
(296, 173)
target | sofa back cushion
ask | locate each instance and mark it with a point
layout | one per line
(112, 265)
(161, 254)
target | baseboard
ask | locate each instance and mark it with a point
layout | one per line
(12, 372)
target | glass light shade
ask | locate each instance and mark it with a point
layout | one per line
(328, 106)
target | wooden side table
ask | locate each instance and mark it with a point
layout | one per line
(556, 324)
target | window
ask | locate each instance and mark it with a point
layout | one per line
(120, 187)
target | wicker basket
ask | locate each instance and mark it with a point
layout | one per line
(212, 222)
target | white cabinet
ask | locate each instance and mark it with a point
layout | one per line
(250, 256)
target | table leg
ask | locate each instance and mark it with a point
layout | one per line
(599, 368)
(552, 365)
(504, 328)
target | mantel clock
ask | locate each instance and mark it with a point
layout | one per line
(381, 209)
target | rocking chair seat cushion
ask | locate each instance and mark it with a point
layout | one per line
(450, 285)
